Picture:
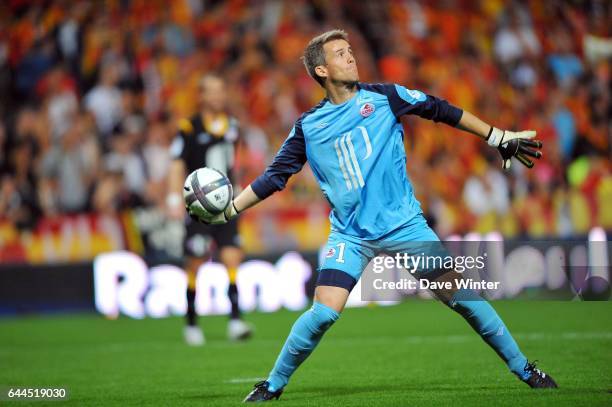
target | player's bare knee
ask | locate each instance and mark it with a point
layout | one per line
(231, 256)
(332, 297)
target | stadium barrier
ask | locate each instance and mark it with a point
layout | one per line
(123, 283)
(147, 231)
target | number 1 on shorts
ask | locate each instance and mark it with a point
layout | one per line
(340, 258)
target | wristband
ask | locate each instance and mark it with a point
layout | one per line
(495, 137)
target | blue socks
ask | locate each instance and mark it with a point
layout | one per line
(303, 338)
(483, 318)
(309, 328)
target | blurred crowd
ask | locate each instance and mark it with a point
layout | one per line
(91, 92)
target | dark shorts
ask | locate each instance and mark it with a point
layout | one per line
(201, 240)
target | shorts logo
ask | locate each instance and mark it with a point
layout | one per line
(367, 109)
(331, 252)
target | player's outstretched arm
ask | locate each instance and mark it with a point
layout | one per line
(404, 101)
(510, 144)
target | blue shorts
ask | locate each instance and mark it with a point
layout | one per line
(345, 257)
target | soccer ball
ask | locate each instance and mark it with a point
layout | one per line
(207, 192)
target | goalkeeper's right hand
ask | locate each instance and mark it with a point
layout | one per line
(219, 219)
(515, 144)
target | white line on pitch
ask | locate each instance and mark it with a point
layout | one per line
(416, 339)
(245, 379)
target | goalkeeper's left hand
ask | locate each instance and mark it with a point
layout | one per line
(515, 144)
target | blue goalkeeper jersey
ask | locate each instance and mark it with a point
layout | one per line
(356, 152)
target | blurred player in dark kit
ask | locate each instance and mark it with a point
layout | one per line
(208, 139)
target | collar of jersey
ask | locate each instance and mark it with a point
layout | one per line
(353, 98)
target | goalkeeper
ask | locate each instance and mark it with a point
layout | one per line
(353, 140)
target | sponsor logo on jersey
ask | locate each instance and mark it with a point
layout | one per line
(331, 252)
(363, 99)
(367, 109)
(322, 125)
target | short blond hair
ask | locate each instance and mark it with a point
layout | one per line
(314, 55)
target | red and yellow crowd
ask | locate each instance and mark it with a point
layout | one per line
(92, 90)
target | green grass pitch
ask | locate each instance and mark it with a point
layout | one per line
(415, 354)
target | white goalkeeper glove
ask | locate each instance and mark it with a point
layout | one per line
(228, 214)
(515, 144)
